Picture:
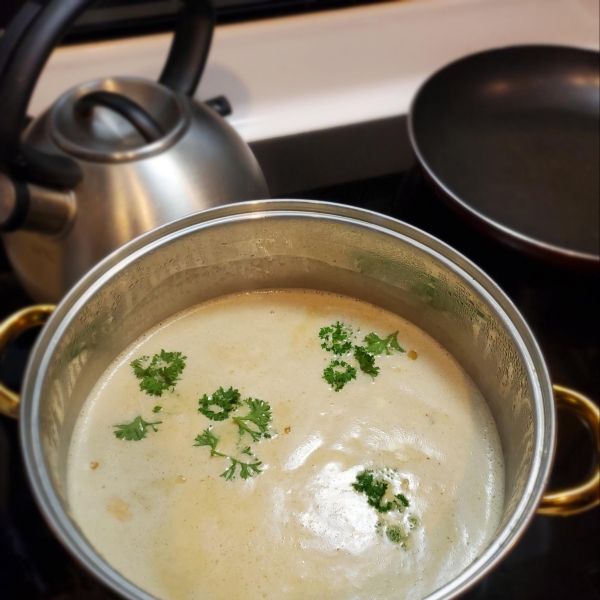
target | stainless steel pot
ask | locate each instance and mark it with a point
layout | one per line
(269, 244)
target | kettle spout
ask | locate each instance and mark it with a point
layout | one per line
(33, 208)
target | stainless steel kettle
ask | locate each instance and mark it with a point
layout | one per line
(111, 158)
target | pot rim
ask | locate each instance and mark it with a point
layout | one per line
(544, 437)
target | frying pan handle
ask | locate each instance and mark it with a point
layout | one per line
(10, 328)
(571, 501)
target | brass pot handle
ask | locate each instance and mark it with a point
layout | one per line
(10, 328)
(577, 499)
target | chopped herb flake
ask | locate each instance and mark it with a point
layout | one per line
(259, 415)
(161, 373)
(246, 469)
(207, 438)
(377, 345)
(375, 487)
(395, 534)
(403, 500)
(336, 338)
(226, 401)
(134, 431)
(366, 361)
(338, 374)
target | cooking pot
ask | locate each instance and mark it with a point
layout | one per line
(294, 243)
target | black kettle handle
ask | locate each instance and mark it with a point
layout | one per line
(145, 124)
(13, 36)
(182, 72)
(190, 47)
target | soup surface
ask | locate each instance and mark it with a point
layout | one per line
(387, 488)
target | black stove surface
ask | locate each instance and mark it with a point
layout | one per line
(556, 558)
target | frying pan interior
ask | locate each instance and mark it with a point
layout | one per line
(511, 138)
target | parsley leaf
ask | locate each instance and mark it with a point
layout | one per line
(255, 423)
(374, 488)
(403, 500)
(366, 361)
(336, 338)
(161, 374)
(246, 469)
(134, 431)
(157, 409)
(336, 377)
(225, 400)
(376, 345)
(259, 415)
(208, 438)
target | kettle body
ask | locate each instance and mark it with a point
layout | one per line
(114, 158)
(199, 163)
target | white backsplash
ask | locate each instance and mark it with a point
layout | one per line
(285, 76)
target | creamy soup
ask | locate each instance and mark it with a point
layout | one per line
(387, 488)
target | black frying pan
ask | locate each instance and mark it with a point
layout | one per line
(511, 139)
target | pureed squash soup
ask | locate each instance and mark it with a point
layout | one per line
(286, 444)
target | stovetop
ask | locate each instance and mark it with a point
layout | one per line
(556, 558)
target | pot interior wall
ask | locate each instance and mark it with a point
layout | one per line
(234, 254)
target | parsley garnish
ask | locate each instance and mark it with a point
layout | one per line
(366, 361)
(336, 377)
(225, 400)
(157, 409)
(161, 374)
(375, 488)
(207, 438)
(336, 338)
(403, 500)
(246, 469)
(376, 345)
(259, 415)
(395, 534)
(255, 423)
(395, 523)
(400, 534)
(134, 431)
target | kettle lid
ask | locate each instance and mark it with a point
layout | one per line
(118, 119)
